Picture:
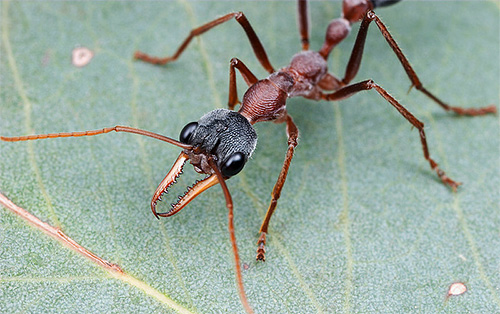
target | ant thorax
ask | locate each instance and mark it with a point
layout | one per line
(266, 99)
(306, 68)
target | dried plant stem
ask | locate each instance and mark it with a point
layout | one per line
(57, 234)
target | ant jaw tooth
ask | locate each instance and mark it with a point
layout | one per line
(153, 209)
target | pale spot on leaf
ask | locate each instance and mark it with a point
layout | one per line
(81, 56)
(457, 288)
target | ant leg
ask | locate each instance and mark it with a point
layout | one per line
(247, 75)
(303, 24)
(292, 133)
(240, 18)
(357, 52)
(369, 84)
(230, 215)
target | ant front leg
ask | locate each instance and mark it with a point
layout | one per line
(355, 62)
(292, 133)
(258, 49)
(369, 84)
(247, 75)
(229, 205)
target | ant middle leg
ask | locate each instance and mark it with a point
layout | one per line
(357, 52)
(369, 84)
(303, 24)
(240, 18)
(247, 75)
(292, 133)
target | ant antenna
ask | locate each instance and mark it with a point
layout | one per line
(117, 128)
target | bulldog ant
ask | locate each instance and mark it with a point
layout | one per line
(221, 142)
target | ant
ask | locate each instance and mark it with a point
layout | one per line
(220, 143)
(307, 76)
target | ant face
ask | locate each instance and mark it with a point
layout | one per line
(222, 135)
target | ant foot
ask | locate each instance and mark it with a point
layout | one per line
(261, 250)
(474, 111)
(446, 180)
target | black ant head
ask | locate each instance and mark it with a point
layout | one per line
(224, 136)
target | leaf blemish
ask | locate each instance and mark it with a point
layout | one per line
(81, 56)
(456, 288)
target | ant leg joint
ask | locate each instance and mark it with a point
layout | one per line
(370, 15)
(293, 142)
(261, 247)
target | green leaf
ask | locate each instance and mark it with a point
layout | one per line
(363, 223)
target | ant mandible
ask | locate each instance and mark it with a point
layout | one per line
(222, 141)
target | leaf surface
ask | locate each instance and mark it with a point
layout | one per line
(363, 224)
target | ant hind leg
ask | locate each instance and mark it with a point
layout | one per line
(350, 90)
(355, 62)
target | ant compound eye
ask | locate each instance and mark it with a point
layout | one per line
(187, 131)
(233, 164)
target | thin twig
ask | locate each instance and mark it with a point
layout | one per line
(57, 234)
